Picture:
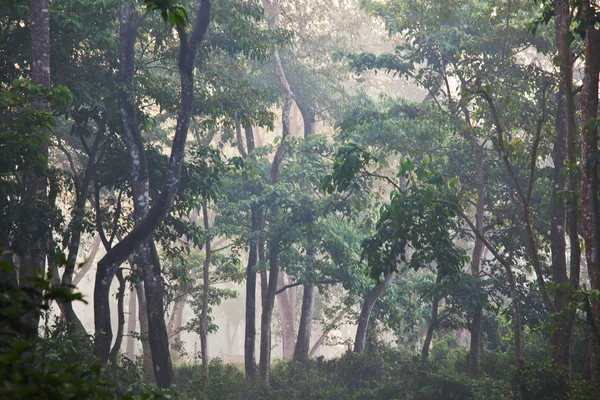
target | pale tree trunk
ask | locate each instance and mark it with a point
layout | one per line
(287, 315)
(114, 353)
(88, 263)
(272, 11)
(365, 312)
(140, 236)
(131, 325)
(589, 179)
(205, 292)
(477, 319)
(336, 320)
(174, 326)
(33, 261)
(433, 320)
(143, 318)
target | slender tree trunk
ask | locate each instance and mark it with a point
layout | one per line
(272, 12)
(365, 312)
(205, 292)
(33, 261)
(433, 321)
(88, 263)
(174, 329)
(324, 334)
(143, 318)
(589, 178)
(250, 325)
(305, 326)
(286, 312)
(476, 323)
(131, 326)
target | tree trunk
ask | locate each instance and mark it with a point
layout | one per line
(476, 323)
(205, 292)
(286, 311)
(140, 235)
(114, 353)
(589, 147)
(157, 336)
(330, 326)
(365, 312)
(561, 338)
(131, 326)
(250, 323)
(174, 329)
(433, 320)
(88, 263)
(34, 260)
(305, 327)
(272, 13)
(143, 318)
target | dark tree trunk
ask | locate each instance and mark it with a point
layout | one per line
(250, 323)
(250, 331)
(205, 289)
(142, 232)
(433, 321)
(365, 312)
(33, 261)
(305, 326)
(131, 326)
(476, 323)
(589, 148)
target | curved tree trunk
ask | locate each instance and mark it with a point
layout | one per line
(274, 245)
(114, 353)
(153, 217)
(323, 336)
(365, 313)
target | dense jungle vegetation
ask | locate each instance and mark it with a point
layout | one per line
(374, 199)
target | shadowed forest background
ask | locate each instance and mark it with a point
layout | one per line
(299, 199)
